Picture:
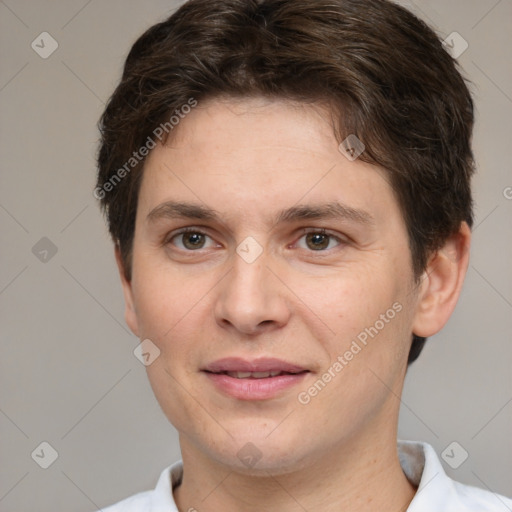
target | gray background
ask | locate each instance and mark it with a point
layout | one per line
(68, 373)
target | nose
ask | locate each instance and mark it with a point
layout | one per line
(251, 299)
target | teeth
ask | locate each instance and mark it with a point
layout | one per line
(260, 375)
(253, 375)
(239, 375)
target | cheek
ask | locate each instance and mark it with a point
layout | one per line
(358, 301)
(168, 308)
(174, 311)
(153, 300)
(163, 297)
(366, 368)
(371, 317)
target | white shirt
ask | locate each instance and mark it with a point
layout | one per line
(436, 491)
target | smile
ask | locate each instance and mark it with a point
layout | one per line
(260, 379)
(256, 375)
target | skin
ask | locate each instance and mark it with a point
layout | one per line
(249, 159)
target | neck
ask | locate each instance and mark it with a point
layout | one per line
(351, 477)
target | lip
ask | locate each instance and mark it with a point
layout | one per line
(253, 388)
(237, 364)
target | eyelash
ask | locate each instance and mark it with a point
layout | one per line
(306, 231)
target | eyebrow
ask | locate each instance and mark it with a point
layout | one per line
(331, 210)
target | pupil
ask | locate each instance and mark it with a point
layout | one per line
(194, 240)
(318, 240)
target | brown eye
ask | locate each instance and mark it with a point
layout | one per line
(191, 240)
(318, 241)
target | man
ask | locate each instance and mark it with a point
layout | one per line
(287, 183)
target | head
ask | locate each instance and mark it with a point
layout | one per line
(244, 107)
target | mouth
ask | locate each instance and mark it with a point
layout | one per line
(259, 379)
(256, 375)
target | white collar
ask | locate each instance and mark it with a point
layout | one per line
(436, 491)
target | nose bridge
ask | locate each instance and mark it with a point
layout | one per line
(250, 297)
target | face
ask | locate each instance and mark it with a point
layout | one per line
(283, 314)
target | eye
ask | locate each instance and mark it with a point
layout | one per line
(190, 239)
(319, 240)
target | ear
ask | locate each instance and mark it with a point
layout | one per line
(130, 314)
(442, 283)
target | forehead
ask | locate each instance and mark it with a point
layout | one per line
(264, 131)
(256, 152)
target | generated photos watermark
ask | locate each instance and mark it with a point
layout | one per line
(137, 156)
(357, 345)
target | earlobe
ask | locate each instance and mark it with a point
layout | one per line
(442, 283)
(129, 311)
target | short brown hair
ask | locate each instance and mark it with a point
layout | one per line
(383, 73)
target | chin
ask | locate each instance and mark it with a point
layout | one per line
(263, 457)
